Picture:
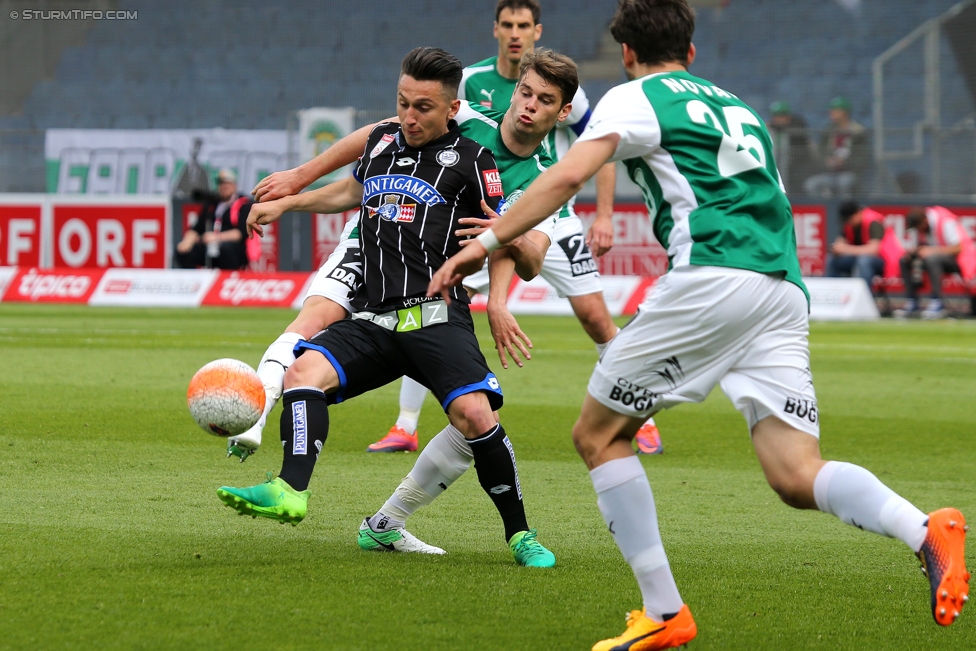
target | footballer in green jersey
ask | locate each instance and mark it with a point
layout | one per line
(731, 312)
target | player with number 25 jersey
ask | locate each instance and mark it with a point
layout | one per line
(732, 311)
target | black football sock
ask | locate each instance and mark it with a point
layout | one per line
(494, 461)
(304, 428)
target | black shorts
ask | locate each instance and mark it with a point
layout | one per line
(444, 357)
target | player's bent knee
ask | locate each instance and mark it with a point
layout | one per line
(311, 370)
(471, 414)
(794, 490)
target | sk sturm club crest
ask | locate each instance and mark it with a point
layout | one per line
(393, 211)
(448, 158)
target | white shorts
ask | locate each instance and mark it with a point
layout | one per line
(702, 326)
(569, 266)
(341, 275)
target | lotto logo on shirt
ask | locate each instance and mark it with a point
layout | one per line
(493, 183)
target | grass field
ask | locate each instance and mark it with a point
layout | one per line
(111, 535)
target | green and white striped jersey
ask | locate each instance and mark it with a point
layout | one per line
(482, 86)
(704, 162)
(482, 125)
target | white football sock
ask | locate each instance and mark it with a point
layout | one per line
(602, 347)
(412, 394)
(859, 498)
(627, 504)
(277, 358)
(445, 458)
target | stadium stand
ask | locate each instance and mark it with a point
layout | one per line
(244, 64)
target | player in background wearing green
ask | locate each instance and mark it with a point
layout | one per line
(491, 83)
(732, 311)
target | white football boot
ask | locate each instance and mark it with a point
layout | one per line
(393, 540)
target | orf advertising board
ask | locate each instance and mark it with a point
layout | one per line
(103, 236)
(636, 252)
(20, 233)
(93, 232)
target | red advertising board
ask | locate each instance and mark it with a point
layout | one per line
(53, 285)
(326, 234)
(104, 236)
(20, 235)
(636, 252)
(810, 222)
(256, 290)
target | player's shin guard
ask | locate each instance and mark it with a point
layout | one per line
(304, 428)
(439, 465)
(494, 460)
(627, 504)
(860, 499)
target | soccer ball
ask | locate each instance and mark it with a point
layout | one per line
(226, 397)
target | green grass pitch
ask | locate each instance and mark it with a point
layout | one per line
(112, 537)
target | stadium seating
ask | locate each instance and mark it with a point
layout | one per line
(184, 64)
(244, 64)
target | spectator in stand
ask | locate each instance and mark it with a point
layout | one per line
(793, 150)
(858, 252)
(942, 246)
(219, 237)
(845, 149)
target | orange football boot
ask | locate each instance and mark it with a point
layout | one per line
(944, 563)
(396, 440)
(649, 440)
(644, 634)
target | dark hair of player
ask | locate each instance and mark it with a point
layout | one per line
(531, 5)
(556, 69)
(914, 218)
(658, 31)
(848, 209)
(434, 64)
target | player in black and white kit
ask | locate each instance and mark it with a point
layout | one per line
(414, 182)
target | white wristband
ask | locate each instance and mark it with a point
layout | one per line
(489, 240)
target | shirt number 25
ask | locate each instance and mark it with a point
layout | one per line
(738, 152)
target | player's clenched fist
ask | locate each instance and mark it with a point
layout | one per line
(261, 214)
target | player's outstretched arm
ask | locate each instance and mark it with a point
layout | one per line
(542, 198)
(333, 198)
(288, 182)
(600, 236)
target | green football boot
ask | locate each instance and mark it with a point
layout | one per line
(529, 552)
(273, 499)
